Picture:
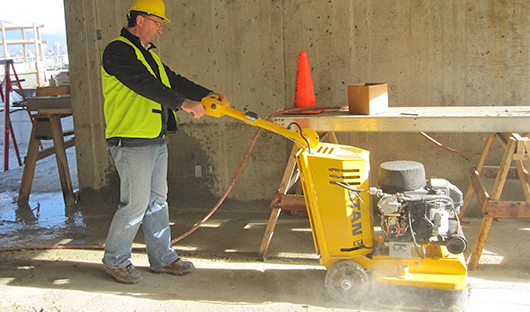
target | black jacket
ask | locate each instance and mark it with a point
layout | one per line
(119, 60)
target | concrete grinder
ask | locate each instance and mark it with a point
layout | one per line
(419, 245)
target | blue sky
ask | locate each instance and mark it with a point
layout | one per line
(50, 13)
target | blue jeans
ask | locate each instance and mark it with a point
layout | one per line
(143, 193)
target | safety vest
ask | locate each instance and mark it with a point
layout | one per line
(128, 114)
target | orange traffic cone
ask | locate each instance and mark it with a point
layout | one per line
(304, 95)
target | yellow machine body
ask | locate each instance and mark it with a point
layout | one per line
(341, 224)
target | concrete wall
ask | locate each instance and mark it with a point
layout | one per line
(431, 53)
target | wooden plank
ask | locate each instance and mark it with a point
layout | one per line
(480, 191)
(49, 112)
(485, 151)
(42, 127)
(508, 209)
(269, 231)
(503, 169)
(288, 202)
(49, 91)
(523, 178)
(51, 150)
(490, 172)
(29, 169)
(527, 145)
(520, 156)
(479, 244)
(288, 173)
(62, 162)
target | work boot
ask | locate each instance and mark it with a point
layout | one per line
(177, 267)
(126, 275)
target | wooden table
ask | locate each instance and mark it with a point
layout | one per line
(503, 122)
(47, 126)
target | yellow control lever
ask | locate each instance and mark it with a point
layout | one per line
(218, 107)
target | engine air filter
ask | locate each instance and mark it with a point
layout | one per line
(401, 176)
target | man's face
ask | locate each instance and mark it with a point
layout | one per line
(150, 28)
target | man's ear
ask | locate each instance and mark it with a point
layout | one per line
(140, 20)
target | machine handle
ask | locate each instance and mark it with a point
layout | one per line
(217, 106)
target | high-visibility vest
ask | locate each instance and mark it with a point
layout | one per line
(128, 114)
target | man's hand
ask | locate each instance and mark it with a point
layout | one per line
(193, 107)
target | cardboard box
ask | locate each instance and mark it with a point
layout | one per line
(368, 99)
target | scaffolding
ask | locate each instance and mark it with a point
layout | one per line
(37, 67)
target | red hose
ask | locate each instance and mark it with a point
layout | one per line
(425, 135)
(214, 209)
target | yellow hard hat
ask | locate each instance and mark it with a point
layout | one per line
(152, 7)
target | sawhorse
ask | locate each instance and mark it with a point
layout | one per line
(516, 149)
(46, 126)
(282, 200)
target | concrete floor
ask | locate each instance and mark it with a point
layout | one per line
(229, 274)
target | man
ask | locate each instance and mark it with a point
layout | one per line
(141, 95)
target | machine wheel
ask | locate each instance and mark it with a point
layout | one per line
(347, 281)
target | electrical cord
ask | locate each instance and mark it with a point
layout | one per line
(355, 193)
(290, 139)
(416, 245)
(301, 134)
